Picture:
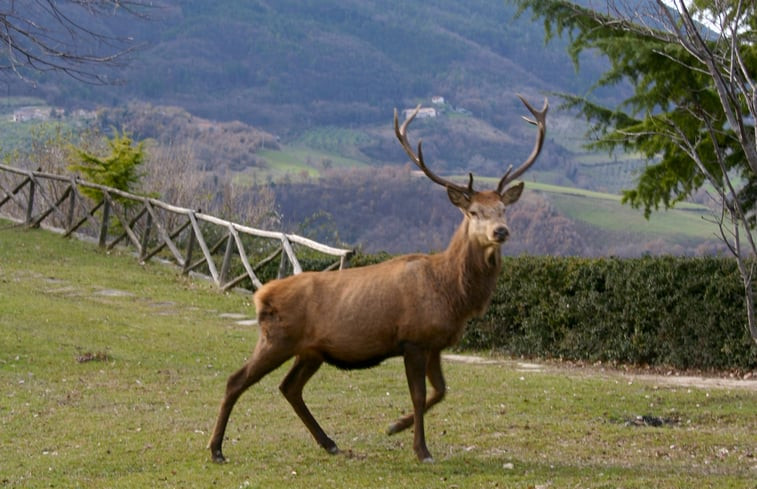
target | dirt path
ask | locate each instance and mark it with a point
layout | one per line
(748, 382)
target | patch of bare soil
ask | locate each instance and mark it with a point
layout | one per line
(726, 380)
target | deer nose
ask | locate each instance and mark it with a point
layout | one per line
(501, 233)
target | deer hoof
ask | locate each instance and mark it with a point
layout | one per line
(329, 445)
(217, 456)
(395, 428)
(428, 460)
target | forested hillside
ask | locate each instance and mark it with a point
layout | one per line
(288, 65)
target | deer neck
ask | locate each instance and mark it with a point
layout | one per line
(471, 272)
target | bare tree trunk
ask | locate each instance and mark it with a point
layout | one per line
(746, 275)
(746, 269)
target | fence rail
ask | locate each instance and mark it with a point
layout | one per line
(153, 227)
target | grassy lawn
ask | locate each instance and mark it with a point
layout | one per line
(111, 373)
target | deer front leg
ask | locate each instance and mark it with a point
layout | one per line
(415, 369)
(439, 388)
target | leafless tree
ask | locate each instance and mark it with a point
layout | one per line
(66, 36)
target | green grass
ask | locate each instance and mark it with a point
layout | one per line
(139, 414)
(333, 140)
(605, 211)
(685, 221)
(295, 160)
(293, 163)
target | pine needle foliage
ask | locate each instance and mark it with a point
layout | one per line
(119, 169)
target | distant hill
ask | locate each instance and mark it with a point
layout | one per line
(289, 65)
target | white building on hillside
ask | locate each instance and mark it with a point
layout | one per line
(424, 113)
(24, 114)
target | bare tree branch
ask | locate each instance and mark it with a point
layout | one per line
(732, 85)
(61, 36)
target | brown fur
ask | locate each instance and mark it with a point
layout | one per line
(414, 298)
(413, 306)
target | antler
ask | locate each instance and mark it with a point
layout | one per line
(539, 120)
(401, 133)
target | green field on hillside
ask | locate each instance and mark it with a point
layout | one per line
(293, 162)
(605, 211)
(112, 372)
(613, 216)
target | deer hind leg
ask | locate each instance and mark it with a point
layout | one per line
(415, 369)
(266, 358)
(303, 369)
(438, 386)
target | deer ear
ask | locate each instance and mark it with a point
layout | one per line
(512, 194)
(458, 197)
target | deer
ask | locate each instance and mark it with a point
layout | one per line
(413, 306)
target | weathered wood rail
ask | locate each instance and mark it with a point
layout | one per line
(153, 227)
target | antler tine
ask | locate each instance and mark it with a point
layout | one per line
(401, 133)
(539, 120)
(504, 177)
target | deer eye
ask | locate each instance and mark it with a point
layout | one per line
(474, 214)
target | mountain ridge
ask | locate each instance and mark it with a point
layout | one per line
(290, 65)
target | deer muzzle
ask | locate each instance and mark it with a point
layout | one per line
(501, 233)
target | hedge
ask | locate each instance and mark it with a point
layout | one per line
(660, 311)
(679, 312)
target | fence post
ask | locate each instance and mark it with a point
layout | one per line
(71, 205)
(190, 250)
(283, 264)
(146, 238)
(30, 202)
(104, 225)
(291, 256)
(226, 259)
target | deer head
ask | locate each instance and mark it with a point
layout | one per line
(484, 210)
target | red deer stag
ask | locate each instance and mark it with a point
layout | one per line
(412, 306)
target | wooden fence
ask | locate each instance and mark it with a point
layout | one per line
(155, 228)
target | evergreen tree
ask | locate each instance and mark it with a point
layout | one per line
(691, 111)
(118, 170)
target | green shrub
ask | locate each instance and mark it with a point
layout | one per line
(679, 312)
(118, 170)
